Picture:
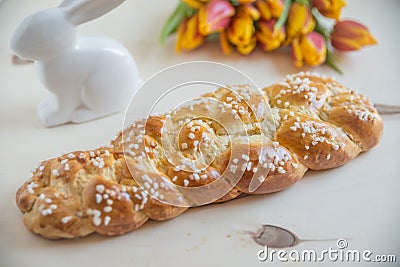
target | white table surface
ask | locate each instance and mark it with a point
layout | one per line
(359, 201)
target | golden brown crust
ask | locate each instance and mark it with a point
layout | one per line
(109, 208)
(284, 95)
(357, 117)
(57, 216)
(232, 194)
(154, 125)
(147, 190)
(160, 166)
(269, 167)
(347, 109)
(319, 145)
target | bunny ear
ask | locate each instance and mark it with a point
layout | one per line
(81, 11)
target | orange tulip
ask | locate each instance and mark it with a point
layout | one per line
(349, 35)
(269, 38)
(188, 36)
(270, 8)
(309, 49)
(215, 16)
(300, 21)
(329, 8)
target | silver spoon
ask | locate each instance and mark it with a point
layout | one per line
(386, 109)
(277, 237)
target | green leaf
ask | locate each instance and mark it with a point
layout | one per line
(213, 37)
(234, 2)
(282, 19)
(172, 24)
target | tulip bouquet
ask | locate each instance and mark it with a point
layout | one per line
(240, 25)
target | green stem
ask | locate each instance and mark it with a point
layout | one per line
(330, 57)
(235, 2)
(172, 24)
(303, 2)
(282, 19)
(330, 61)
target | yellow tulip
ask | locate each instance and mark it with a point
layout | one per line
(277, 7)
(309, 49)
(300, 21)
(270, 8)
(329, 8)
(269, 38)
(188, 36)
(248, 11)
(224, 43)
(349, 35)
(247, 48)
(241, 31)
(195, 3)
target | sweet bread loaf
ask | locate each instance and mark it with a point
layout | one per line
(213, 149)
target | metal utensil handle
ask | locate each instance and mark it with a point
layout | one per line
(386, 109)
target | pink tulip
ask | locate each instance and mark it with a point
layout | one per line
(309, 49)
(215, 16)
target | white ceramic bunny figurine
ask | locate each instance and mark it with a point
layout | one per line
(88, 76)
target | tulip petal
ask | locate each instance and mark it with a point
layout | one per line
(297, 53)
(309, 49)
(269, 38)
(188, 36)
(241, 31)
(224, 43)
(300, 20)
(345, 44)
(215, 16)
(314, 49)
(276, 7)
(248, 11)
(247, 48)
(329, 8)
(264, 9)
(246, 1)
(195, 3)
(350, 35)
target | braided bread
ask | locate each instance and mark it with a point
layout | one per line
(151, 167)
